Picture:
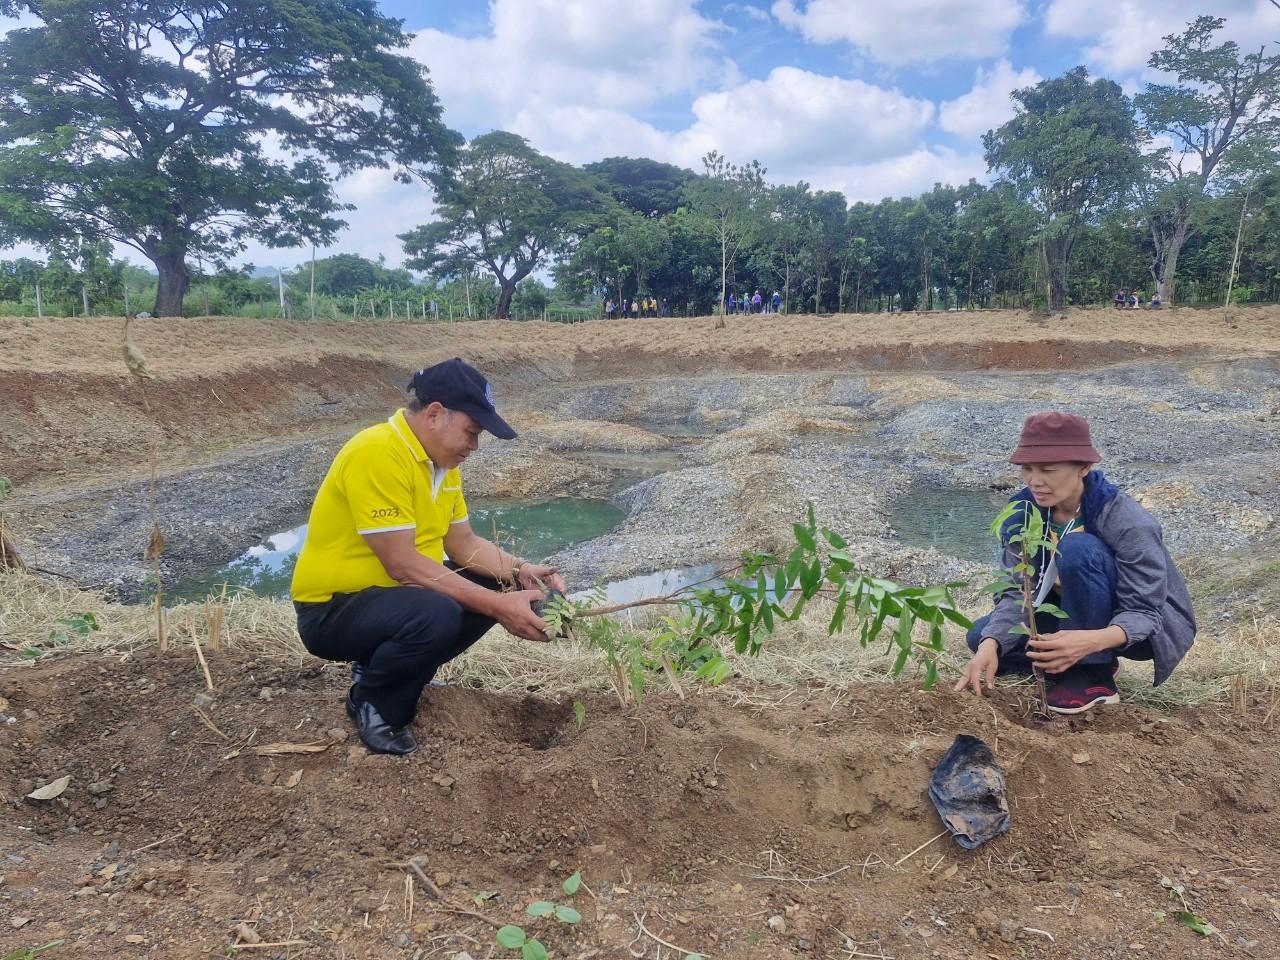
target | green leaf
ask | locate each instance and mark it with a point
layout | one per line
(579, 713)
(833, 538)
(1021, 629)
(567, 914)
(804, 537)
(572, 883)
(956, 617)
(1195, 924)
(930, 674)
(837, 618)
(510, 937)
(901, 661)
(540, 908)
(1052, 610)
(533, 950)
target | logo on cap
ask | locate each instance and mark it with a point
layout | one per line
(488, 394)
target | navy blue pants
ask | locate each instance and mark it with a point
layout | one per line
(1087, 574)
(400, 635)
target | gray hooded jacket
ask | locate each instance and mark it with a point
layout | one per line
(1153, 606)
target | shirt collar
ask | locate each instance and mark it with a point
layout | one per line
(401, 426)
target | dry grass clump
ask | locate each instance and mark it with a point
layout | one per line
(1242, 660)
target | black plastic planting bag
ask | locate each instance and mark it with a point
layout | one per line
(968, 791)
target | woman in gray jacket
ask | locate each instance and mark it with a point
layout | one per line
(1109, 571)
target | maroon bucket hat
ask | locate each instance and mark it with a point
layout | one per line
(1055, 437)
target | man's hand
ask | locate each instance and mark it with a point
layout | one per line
(1057, 652)
(514, 612)
(533, 575)
(981, 668)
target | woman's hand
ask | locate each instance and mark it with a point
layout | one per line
(981, 668)
(1059, 652)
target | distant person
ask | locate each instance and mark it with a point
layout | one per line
(733, 303)
(1119, 299)
(665, 309)
(776, 302)
(1134, 299)
(635, 309)
(756, 302)
(1156, 302)
(372, 585)
(609, 309)
(1109, 570)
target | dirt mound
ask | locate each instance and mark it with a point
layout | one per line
(72, 410)
(703, 819)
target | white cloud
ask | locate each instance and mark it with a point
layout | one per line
(796, 116)
(987, 105)
(553, 52)
(792, 119)
(903, 176)
(1121, 34)
(908, 31)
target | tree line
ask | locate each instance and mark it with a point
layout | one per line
(146, 125)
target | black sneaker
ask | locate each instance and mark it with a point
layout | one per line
(1082, 688)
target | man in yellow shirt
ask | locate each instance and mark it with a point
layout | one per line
(372, 586)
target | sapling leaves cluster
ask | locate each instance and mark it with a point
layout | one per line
(1022, 529)
(745, 605)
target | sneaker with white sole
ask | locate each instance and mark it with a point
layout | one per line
(1082, 688)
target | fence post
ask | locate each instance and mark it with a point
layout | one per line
(84, 298)
(39, 301)
(126, 298)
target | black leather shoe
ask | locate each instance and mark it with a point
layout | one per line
(351, 703)
(379, 736)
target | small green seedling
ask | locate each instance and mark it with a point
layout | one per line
(65, 630)
(514, 938)
(579, 713)
(6, 488)
(1188, 918)
(30, 953)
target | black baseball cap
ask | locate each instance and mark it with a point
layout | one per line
(456, 385)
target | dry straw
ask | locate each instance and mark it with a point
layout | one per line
(32, 606)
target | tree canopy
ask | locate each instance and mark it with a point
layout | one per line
(159, 124)
(505, 208)
(1070, 151)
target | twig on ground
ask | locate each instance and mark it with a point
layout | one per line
(207, 722)
(267, 946)
(1043, 933)
(156, 843)
(670, 946)
(446, 907)
(908, 856)
(195, 642)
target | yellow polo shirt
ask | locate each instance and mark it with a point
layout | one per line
(381, 480)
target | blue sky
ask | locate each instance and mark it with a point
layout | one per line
(871, 97)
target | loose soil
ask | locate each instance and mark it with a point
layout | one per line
(704, 818)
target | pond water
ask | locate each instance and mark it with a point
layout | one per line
(529, 529)
(658, 583)
(953, 520)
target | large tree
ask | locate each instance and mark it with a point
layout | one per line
(1223, 103)
(1071, 151)
(728, 199)
(646, 187)
(505, 208)
(160, 124)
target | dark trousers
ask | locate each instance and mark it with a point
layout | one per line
(1087, 574)
(399, 635)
